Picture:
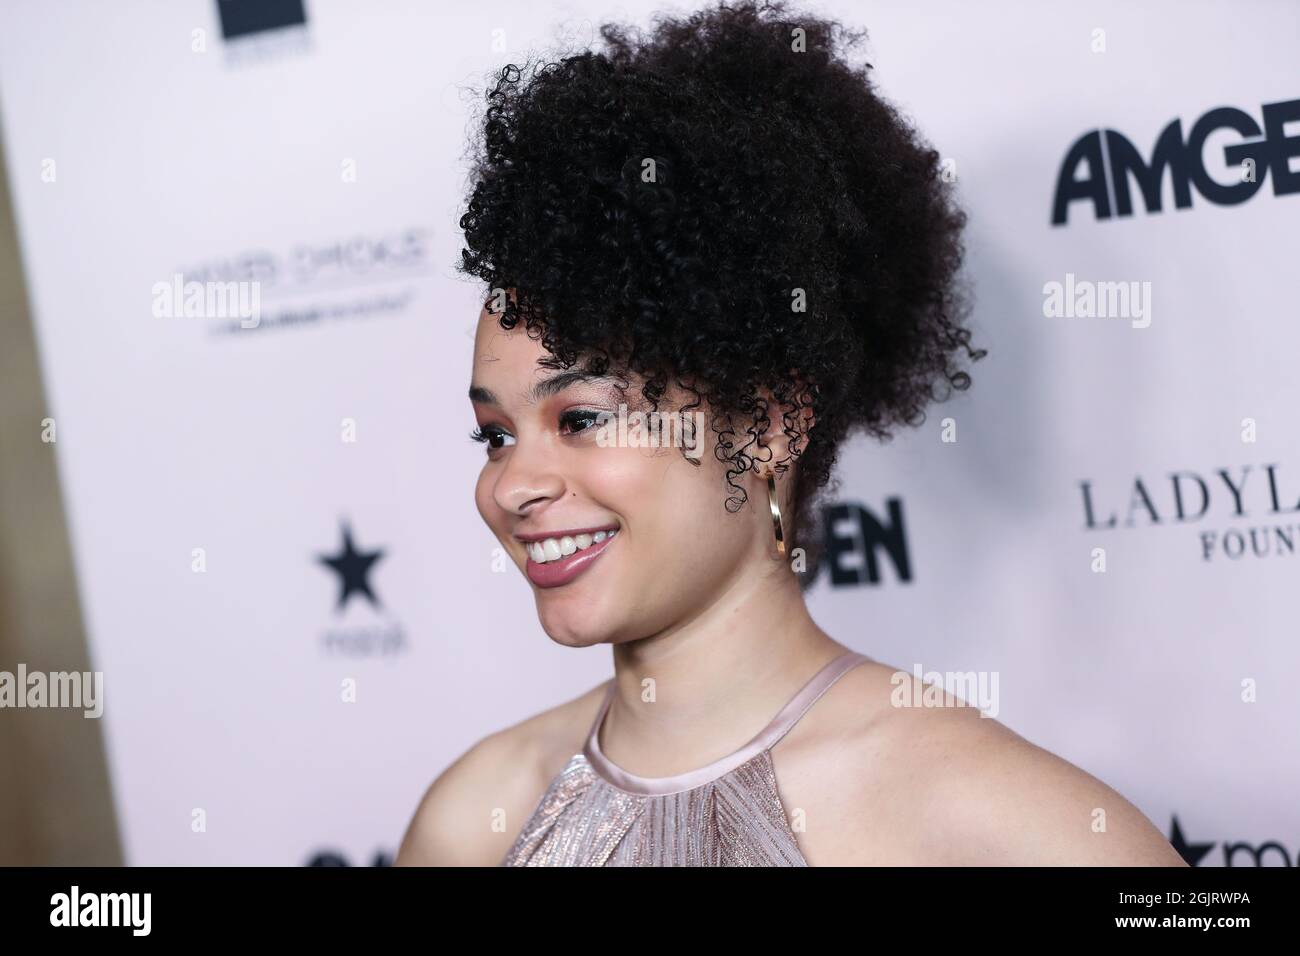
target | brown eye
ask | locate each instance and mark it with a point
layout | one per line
(494, 437)
(578, 420)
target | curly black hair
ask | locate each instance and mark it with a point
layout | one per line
(726, 204)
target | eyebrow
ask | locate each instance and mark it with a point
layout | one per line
(541, 389)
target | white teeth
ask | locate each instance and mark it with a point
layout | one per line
(552, 549)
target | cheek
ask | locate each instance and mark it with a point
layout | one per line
(632, 482)
(628, 472)
(667, 501)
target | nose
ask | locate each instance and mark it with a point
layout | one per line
(530, 478)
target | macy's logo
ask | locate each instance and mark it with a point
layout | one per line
(1193, 853)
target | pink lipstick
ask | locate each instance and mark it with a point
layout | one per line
(558, 570)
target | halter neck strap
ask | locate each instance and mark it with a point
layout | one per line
(765, 739)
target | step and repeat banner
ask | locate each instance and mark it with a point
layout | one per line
(296, 609)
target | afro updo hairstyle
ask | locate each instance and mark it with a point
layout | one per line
(794, 234)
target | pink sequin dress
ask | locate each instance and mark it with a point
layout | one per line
(727, 813)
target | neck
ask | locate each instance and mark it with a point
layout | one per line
(718, 678)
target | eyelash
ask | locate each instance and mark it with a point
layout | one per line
(580, 414)
(488, 434)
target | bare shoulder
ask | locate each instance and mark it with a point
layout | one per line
(471, 814)
(944, 785)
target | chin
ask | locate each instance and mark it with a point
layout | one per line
(572, 628)
(584, 617)
(583, 612)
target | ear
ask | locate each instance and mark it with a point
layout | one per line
(775, 442)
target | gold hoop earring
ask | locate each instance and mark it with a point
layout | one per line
(776, 513)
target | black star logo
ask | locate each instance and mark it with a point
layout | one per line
(1192, 853)
(353, 568)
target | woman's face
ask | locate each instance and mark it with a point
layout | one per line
(548, 476)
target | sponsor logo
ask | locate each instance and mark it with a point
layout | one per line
(371, 632)
(1235, 853)
(1113, 164)
(1188, 497)
(241, 18)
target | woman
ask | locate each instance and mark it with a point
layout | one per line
(712, 253)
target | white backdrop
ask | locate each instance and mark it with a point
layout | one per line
(326, 160)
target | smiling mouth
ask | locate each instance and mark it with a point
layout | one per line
(556, 561)
(556, 549)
